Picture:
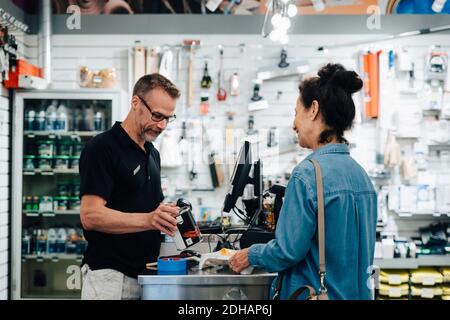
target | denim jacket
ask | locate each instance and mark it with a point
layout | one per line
(350, 227)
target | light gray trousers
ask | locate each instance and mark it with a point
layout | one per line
(108, 284)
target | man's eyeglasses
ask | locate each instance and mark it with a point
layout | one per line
(156, 116)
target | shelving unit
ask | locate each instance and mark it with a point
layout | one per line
(50, 172)
(53, 134)
(31, 226)
(413, 263)
(55, 257)
(51, 214)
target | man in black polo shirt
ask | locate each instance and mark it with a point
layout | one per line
(122, 212)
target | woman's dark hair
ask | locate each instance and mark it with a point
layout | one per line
(333, 89)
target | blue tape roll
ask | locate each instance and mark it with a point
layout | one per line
(172, 266)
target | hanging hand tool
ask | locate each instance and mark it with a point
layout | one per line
(283, 63)
(230, 6)
(204, 104)
(191, 44)
(206, 79)
(221, 92)
(256, 96)
(193, 173)
(234, 84)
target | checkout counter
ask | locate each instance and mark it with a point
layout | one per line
(217, 282)
(213, 283)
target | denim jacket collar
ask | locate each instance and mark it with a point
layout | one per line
(330, 148)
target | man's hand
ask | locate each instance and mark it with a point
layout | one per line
(163, 218)
(239, 261)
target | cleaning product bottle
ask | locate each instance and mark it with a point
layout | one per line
(41, 241)
(26, 243)
(51, 243)
(29, 119)
(98, 121)
(61, 118)
(39, 123)
(50, 117)
(61, 241)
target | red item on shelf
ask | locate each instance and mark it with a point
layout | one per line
(371, 84)
(22, 68)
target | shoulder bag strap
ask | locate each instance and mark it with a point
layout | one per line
(320, 226)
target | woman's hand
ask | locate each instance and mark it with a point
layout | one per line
(239, 261)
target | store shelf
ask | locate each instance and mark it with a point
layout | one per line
(50, 172)
(51, 134)
(53, 257)
(440, 147)
(51, 214)
(414, 263)
(406, 137)
(431, 112)
(422, 214)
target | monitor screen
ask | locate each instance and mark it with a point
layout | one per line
(239, 178)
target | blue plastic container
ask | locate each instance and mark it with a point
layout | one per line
(172, 266)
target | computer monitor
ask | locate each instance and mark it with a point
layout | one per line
(241, 178)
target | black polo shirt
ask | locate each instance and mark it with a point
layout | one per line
(115, 168)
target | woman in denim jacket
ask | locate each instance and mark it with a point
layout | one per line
(324, 111)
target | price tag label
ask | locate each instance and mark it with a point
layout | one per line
(428, 281)
(394, 279)
(395, 292)
(427, 293)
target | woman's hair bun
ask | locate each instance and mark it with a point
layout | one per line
(337, 75)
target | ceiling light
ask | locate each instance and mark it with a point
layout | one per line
(285, 23)
(292, 10)
(276, 19)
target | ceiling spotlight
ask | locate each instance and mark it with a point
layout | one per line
(292, 10)
(275, 35)
(319, 5)
(276, 20)
(285, 23)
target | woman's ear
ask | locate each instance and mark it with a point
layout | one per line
(314, 110)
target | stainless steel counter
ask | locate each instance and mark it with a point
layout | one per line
(211, 284)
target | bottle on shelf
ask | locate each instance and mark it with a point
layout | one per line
(88, 118)
(39, 123)
(26, 242)
(51, 242)
(72, 240)
(35, 203)
(82, 243)
(41, 241)
(62, 122)
(30, 118)
(28, 203)
(77, 119)
(61, 241)
(33, 241)
(98, 121)
(50, 117)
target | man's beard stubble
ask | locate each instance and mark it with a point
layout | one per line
(149, 135)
